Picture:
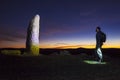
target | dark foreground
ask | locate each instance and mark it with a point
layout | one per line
(57, 67)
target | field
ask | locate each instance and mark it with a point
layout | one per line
(58, 67)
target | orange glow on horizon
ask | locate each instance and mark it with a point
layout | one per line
(62, 47)
(78, 46)
(70, 46)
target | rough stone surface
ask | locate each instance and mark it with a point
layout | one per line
(32, 42)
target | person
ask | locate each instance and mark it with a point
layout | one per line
(99, 44)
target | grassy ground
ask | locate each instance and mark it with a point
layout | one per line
(69, 67)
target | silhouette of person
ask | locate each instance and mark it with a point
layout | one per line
(99, 44)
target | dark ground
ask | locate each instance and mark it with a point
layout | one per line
(57, 67)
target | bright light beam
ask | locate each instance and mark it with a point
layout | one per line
(93, 62)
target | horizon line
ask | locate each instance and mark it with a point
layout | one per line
(61, 48)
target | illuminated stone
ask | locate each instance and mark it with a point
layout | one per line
(32, 42)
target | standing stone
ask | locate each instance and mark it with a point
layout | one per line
(32, 42)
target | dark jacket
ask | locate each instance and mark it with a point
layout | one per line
(98, 39)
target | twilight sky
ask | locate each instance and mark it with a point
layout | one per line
(63, 24)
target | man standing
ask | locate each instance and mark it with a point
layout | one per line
(99, 43)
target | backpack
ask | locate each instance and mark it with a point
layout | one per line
(103, 39)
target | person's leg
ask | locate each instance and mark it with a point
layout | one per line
(99, 52)
(96, 54)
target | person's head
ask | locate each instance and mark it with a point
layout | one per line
(98, 29)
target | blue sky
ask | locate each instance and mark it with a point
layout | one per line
(63, 23)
